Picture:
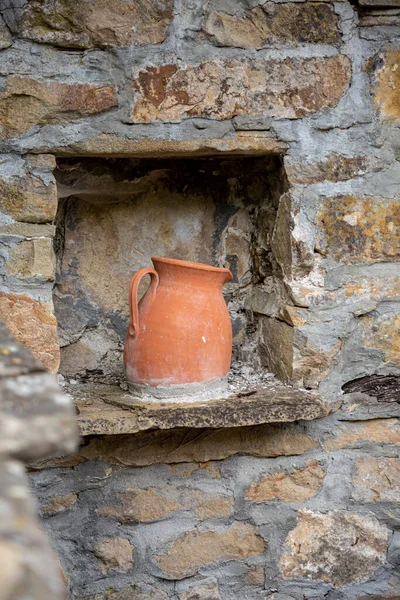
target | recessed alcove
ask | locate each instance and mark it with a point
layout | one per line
(115, 213)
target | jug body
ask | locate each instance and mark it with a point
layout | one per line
(180, 333)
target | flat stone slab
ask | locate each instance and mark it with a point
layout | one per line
(109, 410)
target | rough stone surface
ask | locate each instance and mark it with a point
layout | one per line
(188, 553)
(296, 486)
(222, 90)
(337, 547)
(32, 197)
(101, 23)
(289, 24)
(379, 431)
(5, 37)
(36, 418)
(115, 553)
(60, 503)
(29, 567)
(360, 229)
(140, 505)
(335, 167)
(26, 102)
(256, 576)
(386, 91)
(32, 324)
(377, 480)
(202, 592)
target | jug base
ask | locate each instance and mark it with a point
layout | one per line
(181, 393)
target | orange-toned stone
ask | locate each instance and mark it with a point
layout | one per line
(211, 469)
(296, 486)
(33, 324)
(181, 446)
(206, 506)
(387, 88)
(140, 505)
(383, 334)
(25, 102)
(351, 434)
(223, 89)
(359, 229)
(189, 552)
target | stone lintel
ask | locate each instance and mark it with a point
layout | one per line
(248, 143)
(109, 410)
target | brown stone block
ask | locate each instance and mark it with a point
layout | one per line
(32, 258)
(335, 167)
(336, 547)
(377, 480)
(115, 553)
(137, 504)
(255, 576)
(355, 229)
(224, 89)
(189, 552)
(207, 506)
(29, 198)
(33, 324)
(286, 24)
(25, 102)
(296, 486)
(96, 23)
(183, 445)
(59, 503)
(354, 434)
(387, 87)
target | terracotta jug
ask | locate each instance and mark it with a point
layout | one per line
(180, 332)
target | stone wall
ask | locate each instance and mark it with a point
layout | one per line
(286, 512)
(226, 513)
(313, 82)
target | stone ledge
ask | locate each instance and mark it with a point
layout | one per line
(108, 410)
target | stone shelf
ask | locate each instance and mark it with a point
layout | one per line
(109, 410)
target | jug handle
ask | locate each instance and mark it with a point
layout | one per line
(133, 329)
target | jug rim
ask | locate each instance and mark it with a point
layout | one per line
(190, 265)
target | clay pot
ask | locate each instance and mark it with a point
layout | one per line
(180, 333)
